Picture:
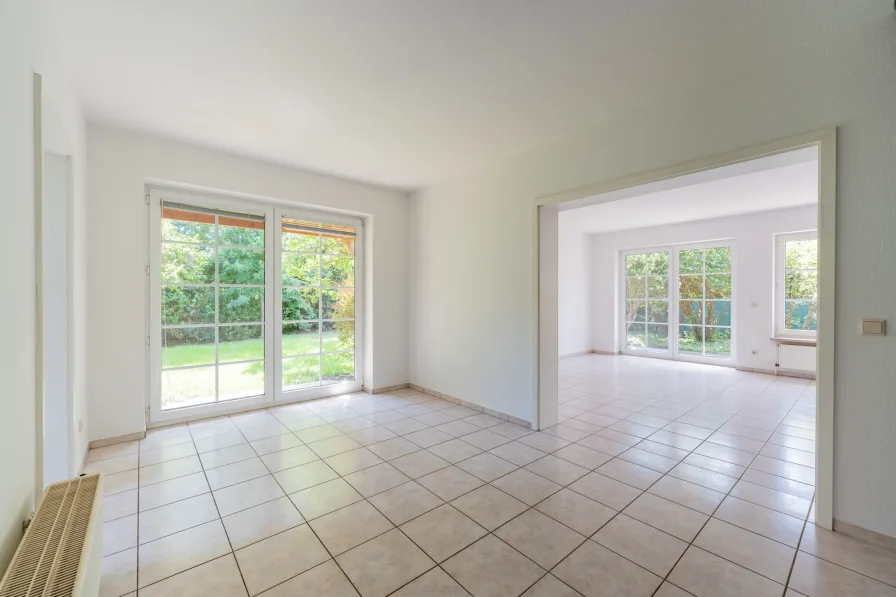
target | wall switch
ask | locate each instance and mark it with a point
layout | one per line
(754, 351)
(873, 327)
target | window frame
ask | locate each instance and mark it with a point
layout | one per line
(780, 246)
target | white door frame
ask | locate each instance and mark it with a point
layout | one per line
(545, 357)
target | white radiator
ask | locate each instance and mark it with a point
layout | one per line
(61, 553)
(792, 357)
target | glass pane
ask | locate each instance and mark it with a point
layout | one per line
(301, 338)
(718, 342)
(801, 315)
(187, 226)
(337, 367)
(635, 310)
(718, 286)
(718, 313)
(718, 259)
(690, 287)
(187, 387)
(300, 303)
(188, 304)
(801, 254)
(240, 266)
(658, 336)
(635, 288)
(241, 232)
(301, 372)
(658, 287)
(187, 264)
(801, 285)
(240, 343)
(241, 380)
(296, 240)
(658, 264)
(690, 340)
(658, 311)
(339, 245)
(690, 261)
(634, 335)
(338, 303)
(338, 335)
(337, 271)
(301, 270)
(240, 305)
(188, 346)
(690, 312)
(636, 265)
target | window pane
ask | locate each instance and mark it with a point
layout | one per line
(241, 380)
(690, 287)
(634, 335)
(635, 265)
(338, 335)
(338, 245)
(718, 259)
(718, 342)
(180, 225)
(188, 346)
(718, 313)
(658, 287)
(801, 315)
(635, 288)
(658, 336)
(301, 270)
(337, 271)
(301, 338)
(301, 372)
(338, 303)
(241, 232)
(718, 286)
(187, 264)
(635, 310)
(801, 254)
(658, 264)
(690, 261)
(801, 285)
(690, 340)
(690, 312)
(658, 311)
(240, 343)
(300, 303)
(240, 305)
(187, 387)
(240, 266)
(337, 367)
(188, 304)
(295, 240)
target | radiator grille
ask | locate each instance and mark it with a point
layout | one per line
(47, 562)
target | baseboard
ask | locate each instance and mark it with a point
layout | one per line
(398, 386)
(472, 405)
(576, 354)
(865, 535)
(119, 439)
(614, 353)
(780, 372)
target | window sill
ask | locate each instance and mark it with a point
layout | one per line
(794, 341)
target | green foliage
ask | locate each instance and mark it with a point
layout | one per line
(801, 283)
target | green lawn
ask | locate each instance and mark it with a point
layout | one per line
(245, 350)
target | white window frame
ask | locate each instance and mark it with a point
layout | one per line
(673, 352)
(780, 328)
(659, 352)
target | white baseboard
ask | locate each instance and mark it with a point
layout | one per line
(473, 405)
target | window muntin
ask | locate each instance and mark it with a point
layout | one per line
(647, 301)
(796, 303)
(704, 305)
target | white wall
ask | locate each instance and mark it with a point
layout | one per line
(473, 277)
(754, 274)
(120, 163)
(574, 281)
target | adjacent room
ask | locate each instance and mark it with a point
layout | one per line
(421, 298)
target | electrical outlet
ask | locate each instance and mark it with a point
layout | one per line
(754, 351)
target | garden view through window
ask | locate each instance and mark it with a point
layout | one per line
(797, 284)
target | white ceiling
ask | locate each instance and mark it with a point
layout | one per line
(406, 92)
(777, 182)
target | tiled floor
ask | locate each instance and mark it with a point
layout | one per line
(665, 479)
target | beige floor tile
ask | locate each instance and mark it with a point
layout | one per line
(601, 444)
(487, 467)
(276, 443)
(676, 440)
(224, 456)
(316, 434)
(172, 469)
(693, 431)
(428, 437)
(670, 590)
(545, 442)
(517, 453)
(706, 575)
(800, 490)
(527, 487)
(576, 511)
(393, 448)
(549, 586)
(379, 567)
(442, 532)
(238, 472)
(344, 529)
(296, 424)
(246, 495)
(789, 454)
(113, 451)
(720, 452)
(167, 436)
(582, 456)
(687, 494)
(279, 558)
(487, 440)
(635, 429)
(489, 507)
(557, 470)
(322, 499)
(352, 461)
(449, 483)
(217, 442)
(641, 543)
(150, 457)
(371, 435)
(119, 573)
(511, 430)
(434, 418)
(715, 465)
(405, 426)
(265, 431)
(454, 451)
(260, 522)
(166, 492)
(435, 583)
(649, 460)
(175, 553)
(754, 552)
(176, 517)
(776, 500)
(735, 441)
(595, 571)
(490, 568)
(788, 470)
(404, 502)
(376, 479)
(289, 458)
(617, 435)
(703, 477)
(119, 535)
(120, 482)
(334, 445)
(324, 580)
(349, 426)
(859, 556)
(220, 577)
(119, 505)
(815, 577)
(605, 490)
(418, 464)
(458, 428)
(540, 538)
(629, 473)
(768, 523)
(305, 476)
(667, 516)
